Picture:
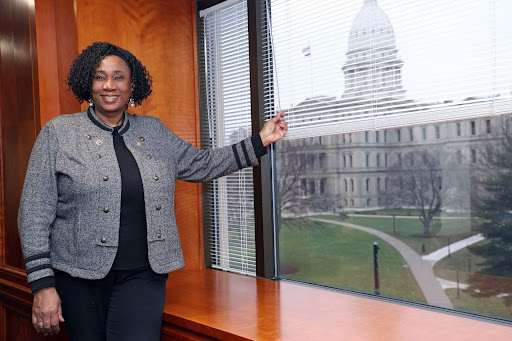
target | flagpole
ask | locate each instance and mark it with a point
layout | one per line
(307, 54)
(311, 71)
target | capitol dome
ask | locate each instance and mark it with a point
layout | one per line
(371, 28)
(372, 68)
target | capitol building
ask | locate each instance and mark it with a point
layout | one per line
(402, 165)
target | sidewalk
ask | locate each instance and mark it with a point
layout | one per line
(421, 270)
(444, 251)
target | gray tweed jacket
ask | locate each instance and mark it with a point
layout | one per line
(70, 206)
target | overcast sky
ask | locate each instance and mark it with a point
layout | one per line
(446, 46)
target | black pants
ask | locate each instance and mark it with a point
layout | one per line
(125, 305)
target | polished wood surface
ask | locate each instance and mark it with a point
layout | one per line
(57, 47)
(19, 124)
(162, 35)
(234, 307)
(19, 118)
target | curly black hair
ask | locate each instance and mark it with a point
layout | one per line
(84, 66)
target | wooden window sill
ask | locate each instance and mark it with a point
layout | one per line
(210, 304)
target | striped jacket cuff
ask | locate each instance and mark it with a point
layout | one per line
(38, 266)
(42, 283)
(257, 145)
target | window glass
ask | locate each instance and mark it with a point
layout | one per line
(438, 204)
(226, 119)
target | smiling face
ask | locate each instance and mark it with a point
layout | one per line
(111, 89)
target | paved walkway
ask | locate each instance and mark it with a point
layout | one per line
(421, 270)
(400, 216)
(444, 251)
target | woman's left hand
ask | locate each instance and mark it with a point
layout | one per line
(274, 129)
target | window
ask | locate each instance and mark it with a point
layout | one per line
(311, 187)
(369, 92)
(473, 127)
(321, 160)
(229, 201)
(304, 186)
(367, 160)
(378, 160)
(311, 164)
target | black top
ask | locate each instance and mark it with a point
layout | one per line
(132, 252)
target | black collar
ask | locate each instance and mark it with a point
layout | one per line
(120, 130)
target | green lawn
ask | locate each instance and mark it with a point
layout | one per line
(490, 306)
(341, 257)
(446, 268)
(407, 230)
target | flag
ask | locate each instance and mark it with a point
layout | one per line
(306, 51)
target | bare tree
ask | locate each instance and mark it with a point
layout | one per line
(297, 194)
(417, 182)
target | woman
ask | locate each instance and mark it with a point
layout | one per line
(96, 218)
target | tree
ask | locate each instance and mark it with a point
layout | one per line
(493, 207)
(417, 182)
(297, 196)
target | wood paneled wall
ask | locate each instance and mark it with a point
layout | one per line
(19, 122)
(38, 41)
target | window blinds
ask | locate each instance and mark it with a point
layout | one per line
(229, 201)
(355, 65)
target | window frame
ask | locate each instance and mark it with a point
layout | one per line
(267, 257)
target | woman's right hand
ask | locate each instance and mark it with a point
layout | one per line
(47, 311)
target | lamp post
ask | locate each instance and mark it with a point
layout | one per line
(376, 267)
(457, 269)
(449, 253)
